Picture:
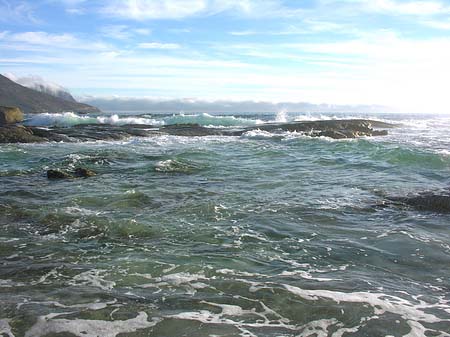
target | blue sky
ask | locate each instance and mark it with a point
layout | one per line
(390, 52)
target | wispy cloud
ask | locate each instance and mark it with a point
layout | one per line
(164, 9)
(437, 24)
(75, 7)
(304, 27)
(157, 45)
(42, 38)
(30, 40)
(178, 9)
(123, 32)
(19, 11)
(428, 7)
(244, 33)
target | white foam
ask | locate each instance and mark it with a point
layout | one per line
(5, 328)
(97, 305)
(89, 328)
(381, 303)
(92, 278)
(67, 119)
(189, 282)
(263, 318)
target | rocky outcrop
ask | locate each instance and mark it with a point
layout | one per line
(80, 172)
(10, 115)
(32, 101)
(427, 201)
(337, 129)
(19, 134)
(57, 174)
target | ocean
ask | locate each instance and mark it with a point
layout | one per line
(265, 234)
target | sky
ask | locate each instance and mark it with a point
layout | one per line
(386, 52)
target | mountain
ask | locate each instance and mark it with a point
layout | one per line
(39, 84)
(32, 101)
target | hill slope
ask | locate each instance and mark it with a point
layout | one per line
(32, 101)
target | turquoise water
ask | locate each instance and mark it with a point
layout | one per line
(258, 235)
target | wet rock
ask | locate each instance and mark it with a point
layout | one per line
(82, 172)
(337, 129)
(428, 201)
(10, 115)
(57, 174)
(192, 130)
(18, 134)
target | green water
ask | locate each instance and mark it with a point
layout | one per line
(259, 235)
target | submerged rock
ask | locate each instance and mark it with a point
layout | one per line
(82, 172)
(57, 174)
(10, 115)
(429, 201)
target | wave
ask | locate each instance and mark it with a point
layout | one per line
(67, 119)
(205, 119)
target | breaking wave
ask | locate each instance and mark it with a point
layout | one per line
(68, 119)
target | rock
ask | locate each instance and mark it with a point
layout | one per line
(18, 134)
(429, 201)
(57, 174)
(82, 172)
(337, 129)
(10, 115)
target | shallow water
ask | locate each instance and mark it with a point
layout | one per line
(258, 235)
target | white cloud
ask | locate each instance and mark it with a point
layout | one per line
(38, 83)
(178, 9)
(162, 9)
(42, 38)
(157, 45)
(428, 7)
(179, 30)
(20, 11)
(244, 33)
(444, 25)
(35, 41)
(123, 32)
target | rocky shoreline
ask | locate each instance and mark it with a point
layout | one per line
(336, 129)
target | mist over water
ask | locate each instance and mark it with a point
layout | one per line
(267, 234)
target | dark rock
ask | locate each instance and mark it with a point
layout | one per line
(337, 129)
(82, 172)
(428, 201)
(192, 130)
(18, 134)
(57, 174)
(10, 115)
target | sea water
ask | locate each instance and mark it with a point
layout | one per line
(258, 235)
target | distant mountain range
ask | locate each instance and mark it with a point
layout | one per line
(196, 106)
(34, 101)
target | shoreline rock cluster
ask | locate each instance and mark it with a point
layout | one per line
(11, 132)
